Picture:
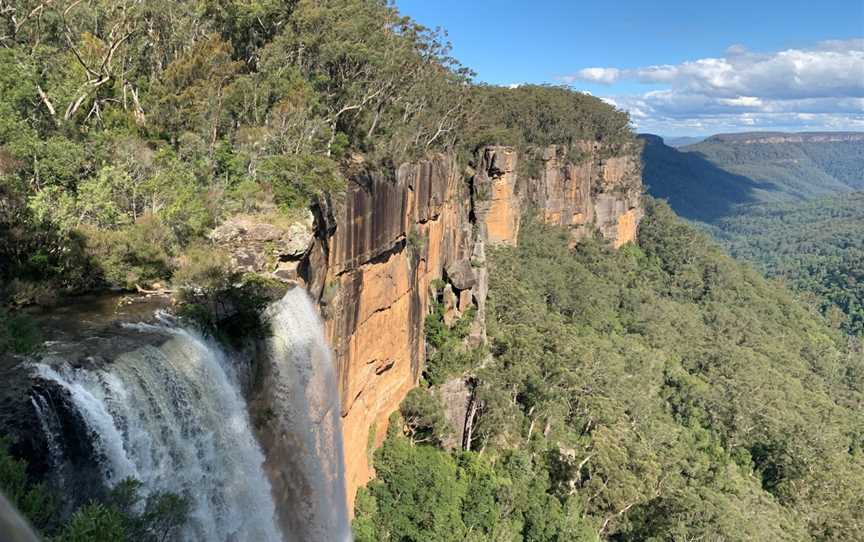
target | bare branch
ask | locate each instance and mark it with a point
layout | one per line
(46, 100)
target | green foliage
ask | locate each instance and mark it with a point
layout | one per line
(422, 493)
(137, 255)
(797, 169)
(416, 241)
(32, 501)
(448, 354)
(657, 392)
(713, 178)
(424, 417)
(426, 507)
(225, 305)
(296, 180)
(120, 517)
(538, 116)
(19, 333)
(814, 247)
(749, 197)
(205, 268)
(94, 523)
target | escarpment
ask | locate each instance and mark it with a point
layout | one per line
(592, 188)
(374, 251)
(371, 267)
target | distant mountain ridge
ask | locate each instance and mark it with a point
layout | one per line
(682, 141)
(747, 138)
(713, 178)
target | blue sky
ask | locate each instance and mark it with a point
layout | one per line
(679, 67)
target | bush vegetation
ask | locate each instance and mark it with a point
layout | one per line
(19, 333)
(448, 355)
(815, 247)
(127, 131)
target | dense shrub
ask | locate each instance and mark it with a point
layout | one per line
(19, 333)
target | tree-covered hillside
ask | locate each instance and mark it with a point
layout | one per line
(128, 130)
(799, 167)
(816, 247)
(693, 186)
(812, 243)
(661, 392)
(710, 179)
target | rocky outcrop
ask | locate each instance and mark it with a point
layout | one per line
(496, 203)
(267, 245)
(587, 187)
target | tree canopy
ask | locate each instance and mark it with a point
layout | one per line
(130, 129)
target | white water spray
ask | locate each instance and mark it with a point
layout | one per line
(303, 389)
(173, 418)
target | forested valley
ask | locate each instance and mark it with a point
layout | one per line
(793, 210)
(815, 247)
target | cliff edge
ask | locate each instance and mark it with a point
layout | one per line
(376, 249)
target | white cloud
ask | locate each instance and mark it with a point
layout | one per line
(819, 85)
(605, 76)
(743, 101)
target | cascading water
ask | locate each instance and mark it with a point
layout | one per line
(305, 451)
(173, 417)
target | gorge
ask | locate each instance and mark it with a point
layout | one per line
(288, 271)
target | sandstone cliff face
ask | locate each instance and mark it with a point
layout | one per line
(390, 238)
(497, 206)
(378, 247)
(590, 190)
(377, 252)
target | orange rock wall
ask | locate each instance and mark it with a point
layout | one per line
(496, 203)
(379, 247)
(372, 269)
(586, 188)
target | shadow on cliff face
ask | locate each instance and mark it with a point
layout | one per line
(695, 188)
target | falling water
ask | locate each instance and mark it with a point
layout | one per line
(308, 446)
(172, 417)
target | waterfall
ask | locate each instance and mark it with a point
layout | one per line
(173, 417)
(306, 447)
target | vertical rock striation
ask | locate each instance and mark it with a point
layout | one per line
(378, 247)
(371, 267)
